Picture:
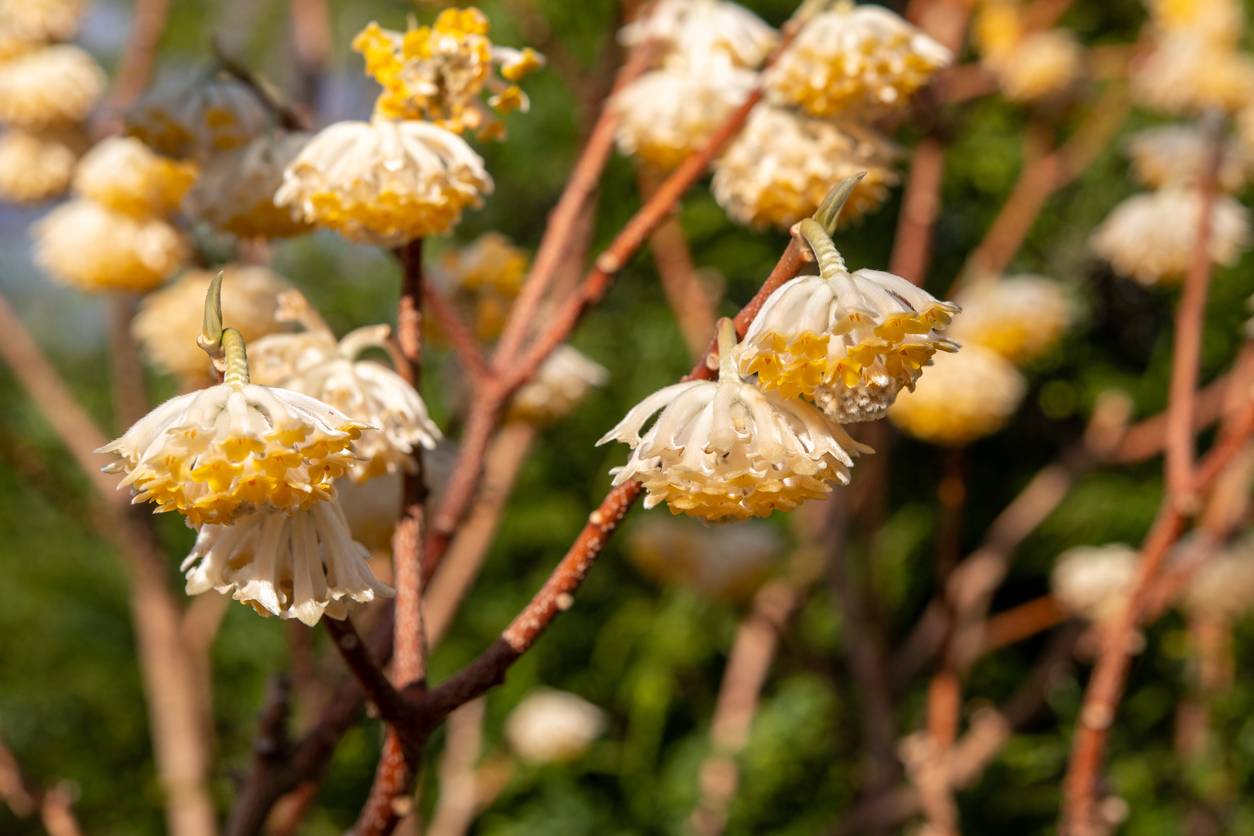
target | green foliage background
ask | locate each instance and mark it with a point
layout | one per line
(71, 703)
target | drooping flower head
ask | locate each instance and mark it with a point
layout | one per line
(1028, 65)
(782, 165)
(553, 727)
(436, 73)
(314, 364)
(124, 174)
(39, 21)
(668, 113)
(729, 450)
(704, 27)
(1019, 317)
(1189, 73)
(384, 182)
(55, 85)
(169, 319)
(235, 190)
(94, 248)
(1093, 582)
(197, 119)
(848, 341)
(1151, 237)
(962, 398)
(229, 451)
(562, 381)
(863, 59)
(37, 166)
(301, 564)
(1174, 155)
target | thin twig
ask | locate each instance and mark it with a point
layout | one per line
(25, 798)
(147, 24)
(459, 337)
(1106, 685)
(689, 300)
(749, 662)
(1040, 179)
(920, 207)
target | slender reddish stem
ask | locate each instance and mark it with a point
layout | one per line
(1105, 688)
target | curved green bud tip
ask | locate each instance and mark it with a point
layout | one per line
(829, 210)
(212, 331)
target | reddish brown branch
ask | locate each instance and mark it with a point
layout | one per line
(748, 664)
(463, 342)
(691, 303)
(920, 206)
(147, 24)
(1105, 688)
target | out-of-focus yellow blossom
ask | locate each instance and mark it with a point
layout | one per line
(729, 450)
(39, 21)
(552, 727)
(562, 381)
(95, 248)
(52, 86)
(486, 276)
(198, 119)
(1027, 65)
(963, 397)
(235, 190)
(1219, 21)
(13, 45)
(1173, 155)
(35, 167)
(313, 363)
(782, 165)
(384, 182)
(1151, 237)
(124, 174)
(1019, 317)
(437, 72)
(1093, 582)
(1188, 73)
(863, 59)
(724, 563)
(223, 453)
(1041, 64)
(710, 28)
(666, 114)
(170, 319)
(301, 565)
(850, 342)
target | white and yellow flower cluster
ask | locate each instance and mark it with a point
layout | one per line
(753, 442)
(407, 173)
(226, 128)
(727, 449)
(1005, 324)
(47, 89)
(709, 50)
(1151, 236)
(1028, 64)
(314, 363)
(116, 234)
(252, 467)
(849, 66)
(1196, 63)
